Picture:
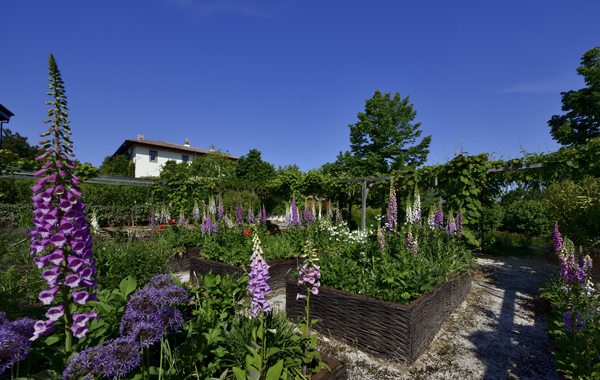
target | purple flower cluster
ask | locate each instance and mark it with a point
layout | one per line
(451, 227)
(208, 226)
(411, 244)
(295, 220)
(309, 217)
(259, 276)
(251, 219)
(148, 315)
(459, 223)
(309, 275)
(439, 217)
(381, 239)
(392, 221)
(61, 236)
(114, 358)
(263, 217)
(557, 239)
(14, 340)
(573, 324)
(182, 222)
(221, 210)
(239, 214)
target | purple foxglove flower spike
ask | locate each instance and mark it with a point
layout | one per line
(61, 231)
(259, 275)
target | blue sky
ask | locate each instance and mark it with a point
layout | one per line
(288, 77)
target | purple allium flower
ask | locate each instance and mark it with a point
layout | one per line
(557, 239)
(14, 340)
(259, 276)
(148, 314)
(114, 358)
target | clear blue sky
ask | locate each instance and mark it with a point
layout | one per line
(287, 77)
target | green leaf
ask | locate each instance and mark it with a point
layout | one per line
(275, 372)
(253, 375)
(239, 373)
(47, 374)
(128, 285)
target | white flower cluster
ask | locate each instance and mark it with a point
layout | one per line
(341, 233)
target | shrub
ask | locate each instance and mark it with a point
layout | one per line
(529, 217)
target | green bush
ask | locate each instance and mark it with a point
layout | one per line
(530, 217)
(142, 259)
(118, 216)
(576, 208)
(493, 216)
(17, 215)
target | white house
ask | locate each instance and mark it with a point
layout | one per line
(149, 156)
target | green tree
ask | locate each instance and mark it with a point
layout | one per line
(118, 165)
(582, 118)
(251, 167)
(17, 144)
(213, 165)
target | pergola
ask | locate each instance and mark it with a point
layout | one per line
(5, 116)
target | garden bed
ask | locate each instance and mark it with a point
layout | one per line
(338, 370)
(280, 270)
(391, 331)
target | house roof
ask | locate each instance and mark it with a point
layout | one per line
(165, 146)
(5, 114)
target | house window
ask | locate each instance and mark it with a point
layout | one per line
(185, 158)
(153, 156)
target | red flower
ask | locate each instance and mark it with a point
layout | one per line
(51, 244)
(268, 232)
(275, 228)
(247, 232)
(171, 221)
(159, 230)
(162, 226)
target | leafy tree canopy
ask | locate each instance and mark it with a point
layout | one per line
(118, 165)
(18, 144)
(213, 165)
(251, 167)
(380, 141)
(582, 118)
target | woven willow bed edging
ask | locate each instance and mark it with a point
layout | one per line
(388, 330)
(279, 270)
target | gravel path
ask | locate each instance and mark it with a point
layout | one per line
(494, 334)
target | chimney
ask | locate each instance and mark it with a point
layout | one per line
(212, 148)
(186, 143)
(140, 137)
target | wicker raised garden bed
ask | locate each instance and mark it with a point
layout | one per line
(388, 330)
(279, 269)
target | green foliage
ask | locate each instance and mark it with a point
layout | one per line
(582, 107)
(380, 139)
(118, 165)
(17, 144)
(16, 215)
(213, 165)
(575, 205)
(252, 168)
(515, 244)
(20, 280)
(530, 217)
(86, 171)
(119, 216)
(140, 259)
(396, 274)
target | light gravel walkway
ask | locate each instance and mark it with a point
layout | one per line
(494, 334)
